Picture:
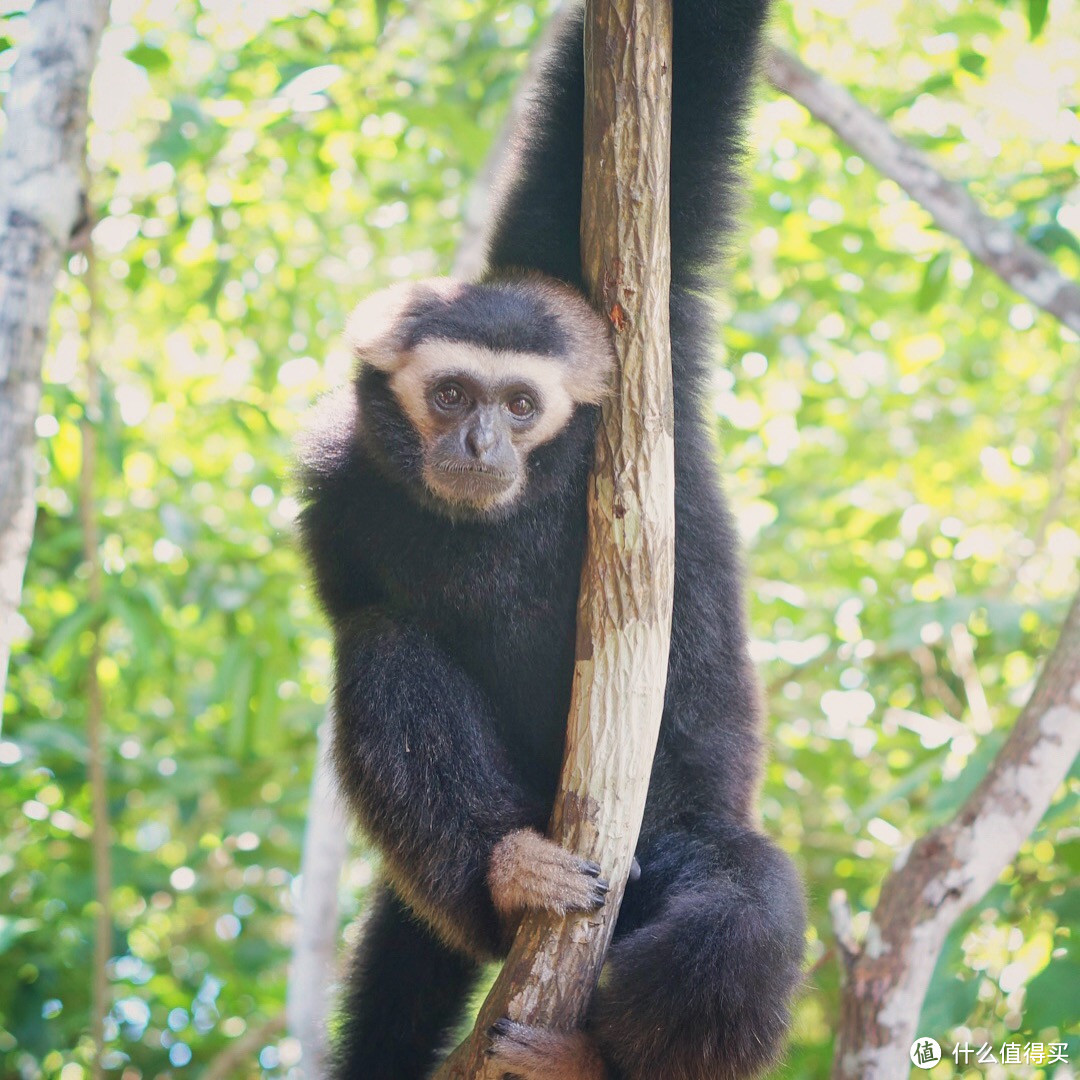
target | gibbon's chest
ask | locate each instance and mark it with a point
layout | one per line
(485, 576)
(502, 602)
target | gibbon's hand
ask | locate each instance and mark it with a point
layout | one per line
(529, 872)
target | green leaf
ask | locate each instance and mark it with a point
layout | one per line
(973, 62)
(1052, 993)
(382, 9)
(1037, 12)
(13, 929)
(935, 278)
(71, 626)
(148, 56)
(1051, 236)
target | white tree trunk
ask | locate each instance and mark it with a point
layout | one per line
(314, 959)
(42, 203)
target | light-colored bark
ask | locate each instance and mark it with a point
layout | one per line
(949, 870)
(314, 959)
(624, 615)
(42, 199)
(992, 242)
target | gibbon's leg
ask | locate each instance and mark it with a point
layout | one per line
(701, 989)
(405, 993)
(698, 982)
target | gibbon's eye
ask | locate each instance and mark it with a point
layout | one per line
(522, 406)
(449, 396)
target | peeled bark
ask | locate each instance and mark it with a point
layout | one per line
(624, 613)
(42, 201)
(950, 869)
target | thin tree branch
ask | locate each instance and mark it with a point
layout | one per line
(42, 199)
(841, 919)
(962, 654)
(950, 869)
(235, 1059)
(1064, 455)
(624, 613)
(97, 771)
(992, 242)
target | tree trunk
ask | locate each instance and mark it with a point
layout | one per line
(42, 203)
(314, 958)
(624, 614)
(950, 869)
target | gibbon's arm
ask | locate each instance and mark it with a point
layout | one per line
(416, 761)
(715, 45)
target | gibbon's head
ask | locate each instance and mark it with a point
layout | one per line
(483, 374)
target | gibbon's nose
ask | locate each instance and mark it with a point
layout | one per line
(481, 438)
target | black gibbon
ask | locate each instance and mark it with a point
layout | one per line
(443, 515)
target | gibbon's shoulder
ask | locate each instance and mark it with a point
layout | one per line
(329, 439)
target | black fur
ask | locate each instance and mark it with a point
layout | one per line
(455, 640)
(499, 316)
(407, 992)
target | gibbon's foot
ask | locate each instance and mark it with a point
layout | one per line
(528, 871)
(532, 1053)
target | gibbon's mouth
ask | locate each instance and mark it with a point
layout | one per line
(481, 472)
(471, 484)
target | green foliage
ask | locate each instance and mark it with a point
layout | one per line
(1037, 13)
(892, 423)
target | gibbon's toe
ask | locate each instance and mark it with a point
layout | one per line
(533, 1053)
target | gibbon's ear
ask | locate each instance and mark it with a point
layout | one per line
(590, 355)
(378, 329)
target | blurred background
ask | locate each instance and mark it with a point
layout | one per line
(896, 428)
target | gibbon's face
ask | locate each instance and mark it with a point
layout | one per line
(483, 374)
(479, 413)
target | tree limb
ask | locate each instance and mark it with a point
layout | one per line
(624, 613)
(950, 869)
(992, 242)
(42, 200)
